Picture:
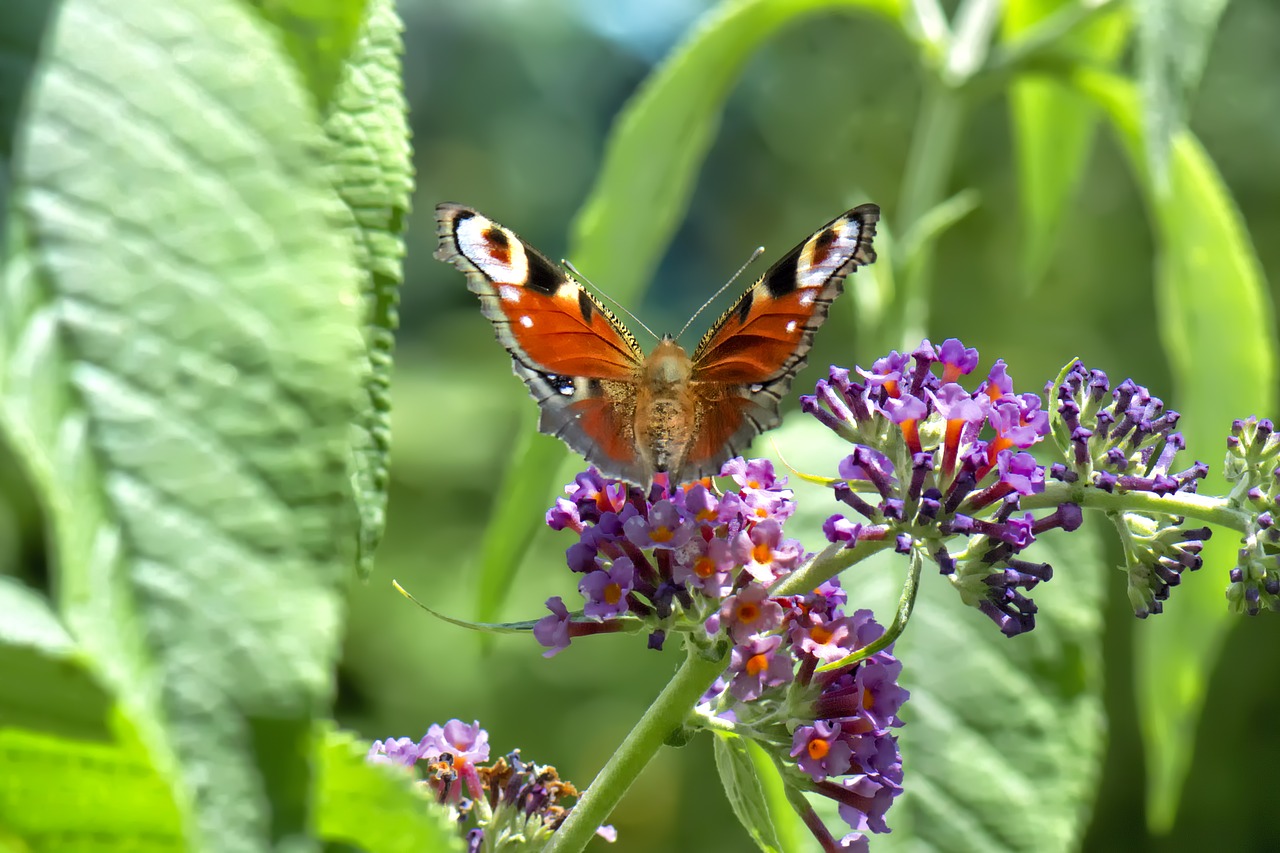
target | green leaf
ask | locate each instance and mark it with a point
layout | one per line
(1053, 128)
(43, 684)
(1215, 321)
(71, 795)
(23, 24)
(745, 790)
(318, 35)
(377, 807)
(1173, 43)
(1003, 739)
(651, 162)
(179, 356)
(373, 175)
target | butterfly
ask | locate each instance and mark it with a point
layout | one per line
(634, 415)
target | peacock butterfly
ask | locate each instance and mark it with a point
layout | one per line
(634, 415)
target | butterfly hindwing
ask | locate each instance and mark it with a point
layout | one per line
(746, 362)
(579, 362)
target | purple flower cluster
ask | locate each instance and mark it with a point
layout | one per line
(933, 460)
(1253, 454)
(668, 558)
(1120, 441)
(837, 721)
(507, 798)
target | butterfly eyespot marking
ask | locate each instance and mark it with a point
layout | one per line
(494, 251)
(562, 385)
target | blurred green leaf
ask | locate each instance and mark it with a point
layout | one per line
(1003, 740)
(373, 175)
(652, 159)
(1215, 320)
(1053, 128)
(1173, 43)
(43, 684)
(22, 28)
(318, 35)
(745, 790)
(377, 807)
(179, 358)
(71, 795)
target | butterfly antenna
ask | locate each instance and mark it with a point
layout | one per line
(757, 253)
(616, 303)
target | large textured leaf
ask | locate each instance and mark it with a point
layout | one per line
(43, 683)
(654, 152)
(318, 35)
(1003, 738)
(1053, 128)
(72, 795)
(1216, 326)
(179, 358)
(373, 174)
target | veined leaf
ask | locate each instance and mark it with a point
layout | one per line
(1216, 325)
(318, 35)
(179, 361)
(373, 174)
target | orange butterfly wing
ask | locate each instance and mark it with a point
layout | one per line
(580, 363)
(746, 362)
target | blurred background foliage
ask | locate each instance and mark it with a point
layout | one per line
(510, 102)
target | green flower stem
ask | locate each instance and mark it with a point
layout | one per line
(900, 619)
(827, 565)
(665, 716)
(1206, 508)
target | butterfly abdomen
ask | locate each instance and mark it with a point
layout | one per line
(664, 414)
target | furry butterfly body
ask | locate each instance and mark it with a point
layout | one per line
(634, 415)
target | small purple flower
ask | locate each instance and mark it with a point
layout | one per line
(752, 474)
(606, 590)
(664, 528)
(826, 639)
(756, 666)
(837, 528)
(820, 751)
(401, 750)
(956, 359)
(764, 553)
(750, 612)
(553, 631)
(706, 566)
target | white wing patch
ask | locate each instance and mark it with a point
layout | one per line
(814, 266)
(502, 260)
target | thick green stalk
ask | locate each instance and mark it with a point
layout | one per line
(665, 716)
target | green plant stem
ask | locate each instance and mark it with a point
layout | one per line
(664, 716)
(906, 603)
(1206, 508)
(827, 565)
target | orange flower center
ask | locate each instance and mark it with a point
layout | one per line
(748, 613)
(762, 553)
(704, 567)
(612, 593)
(757, 664)
(818, 749)
(662, 534)
(707, 515)
(867, 699)
(820, 634)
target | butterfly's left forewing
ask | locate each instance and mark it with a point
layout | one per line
(746, 362)
(580, 363)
